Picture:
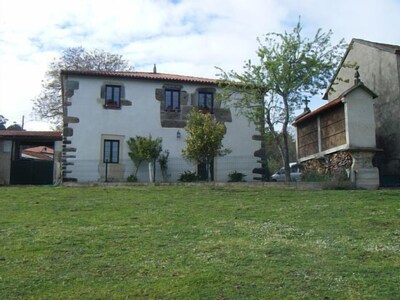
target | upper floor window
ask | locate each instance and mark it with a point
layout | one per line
(206, 101)
(172, 100)
(112, 96)
(111, 151)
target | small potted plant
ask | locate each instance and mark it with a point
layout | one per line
(111, 104)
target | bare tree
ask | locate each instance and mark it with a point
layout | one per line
(48, 104)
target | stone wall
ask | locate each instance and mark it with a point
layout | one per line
(5, 161)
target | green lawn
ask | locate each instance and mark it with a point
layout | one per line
(198, 242)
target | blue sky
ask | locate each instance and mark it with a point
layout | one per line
(181, 37)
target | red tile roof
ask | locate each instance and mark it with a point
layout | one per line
(20, 133)
(40, 149)
(143, 75)
(327, 106)
(35, 155)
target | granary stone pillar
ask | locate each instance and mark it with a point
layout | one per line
(363, 173)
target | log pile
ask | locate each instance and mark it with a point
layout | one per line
(336, 166)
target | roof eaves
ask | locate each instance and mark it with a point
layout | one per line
(325, 97)
(359, 85)
(381, 46)
(4, 134)
(319, 110)
(142, 76)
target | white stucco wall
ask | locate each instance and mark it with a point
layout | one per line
(378, 71)
(360, 120)
(142, 119)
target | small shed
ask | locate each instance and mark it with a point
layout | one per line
(30, 157)
(342, 135)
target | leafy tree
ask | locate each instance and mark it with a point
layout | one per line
(273, 153)
(15, 126)
(163, 162)
(3, 121)
(48, 104)
(145, 149)
(135, 154)
(204, 139)
(290, 67)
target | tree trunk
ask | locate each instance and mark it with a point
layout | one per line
(151, 169)
(264, 164)
(208, 170)
(286, 155)
(282, 144)
(285, 139)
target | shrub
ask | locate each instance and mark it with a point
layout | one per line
(338, 185)
(337, 181)
(132, 178)
(188, 176)
(236, 177)
(163, 161)
(314, 176)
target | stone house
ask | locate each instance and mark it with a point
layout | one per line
(379, 69)
(103, 109)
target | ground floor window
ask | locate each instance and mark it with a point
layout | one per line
(111, 151)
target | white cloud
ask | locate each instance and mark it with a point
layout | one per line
(188, 37)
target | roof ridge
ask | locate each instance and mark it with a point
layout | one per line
(377, 44)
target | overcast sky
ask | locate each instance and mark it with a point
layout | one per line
(188, 37)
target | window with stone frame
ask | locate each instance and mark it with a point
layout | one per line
(112, 96)
(111, 151)
(172, 100)
(206, 101)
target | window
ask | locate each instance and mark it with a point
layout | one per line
(111, 151)
(172, 100)
(113, 96)
(206, 101)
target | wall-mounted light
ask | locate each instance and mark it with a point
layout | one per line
(178, 134)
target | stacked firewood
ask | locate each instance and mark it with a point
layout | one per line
(316, 166)
(340, 162)
(336, 165)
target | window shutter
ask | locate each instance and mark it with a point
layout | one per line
(122, 92)
(160, 94)
(184, 98)
(103, 92)
(194, 97)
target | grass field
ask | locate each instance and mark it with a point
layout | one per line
(198, 242)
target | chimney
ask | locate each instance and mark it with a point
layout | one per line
(155, 69)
